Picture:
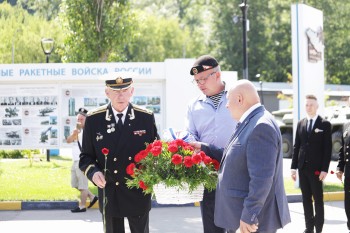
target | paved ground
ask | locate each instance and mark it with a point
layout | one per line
(162, 220)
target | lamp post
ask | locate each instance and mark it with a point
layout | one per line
(244, 8)
(47, 44)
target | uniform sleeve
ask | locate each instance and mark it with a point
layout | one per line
(87, 162)
(296, 148)
(327, 146)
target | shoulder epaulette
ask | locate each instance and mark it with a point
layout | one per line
(140, 109)
(103, 108)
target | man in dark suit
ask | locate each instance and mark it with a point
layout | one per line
(250, 192)
(344, 167)
(311, 156)
(113, 135)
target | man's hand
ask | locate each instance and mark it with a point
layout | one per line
(294, 174)
(99, 179)
(246, 228)
(196, 146)
(322, 176)
(339, 175)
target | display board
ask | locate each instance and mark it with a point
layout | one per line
(29, 116)
(42, 116)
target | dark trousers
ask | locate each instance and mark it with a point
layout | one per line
(137, 224)
(311, 186)
(207, 211)
(347, 195)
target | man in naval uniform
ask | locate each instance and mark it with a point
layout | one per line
(117, 132)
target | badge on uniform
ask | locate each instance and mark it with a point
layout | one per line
(108, 116)
(139, 132)
(99, 136)
(111, 128)
(317, 130)
(132, 114)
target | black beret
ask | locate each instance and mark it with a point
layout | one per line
(203, 63)
(82, 111)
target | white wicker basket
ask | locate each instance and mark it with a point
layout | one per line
(176, 195)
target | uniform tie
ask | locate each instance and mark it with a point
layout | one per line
(120, 122)
(310, 127)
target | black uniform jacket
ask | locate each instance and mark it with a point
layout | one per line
(316, 148)
(344, 152)
(101, 132)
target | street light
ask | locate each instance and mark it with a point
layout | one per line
(47, 44)
(244, 8)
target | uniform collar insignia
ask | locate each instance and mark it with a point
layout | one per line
(132, 114)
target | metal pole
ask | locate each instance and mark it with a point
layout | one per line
(244, 8)
(47, 58)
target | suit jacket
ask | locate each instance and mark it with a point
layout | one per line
(316, 149)
(250, 186)
(139, 128)
(344, 153)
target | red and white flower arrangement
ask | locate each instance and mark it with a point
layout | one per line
(173, 164)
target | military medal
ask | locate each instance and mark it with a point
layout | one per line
(111, 128)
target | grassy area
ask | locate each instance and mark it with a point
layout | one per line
(45, 181)
(328, 187)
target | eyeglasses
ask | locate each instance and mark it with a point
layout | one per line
(202, 80)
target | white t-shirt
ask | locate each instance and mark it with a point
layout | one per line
(75, 147)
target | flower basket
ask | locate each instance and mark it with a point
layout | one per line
(177, 195)
(169, 167)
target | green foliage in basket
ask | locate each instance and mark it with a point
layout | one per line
(174, 164)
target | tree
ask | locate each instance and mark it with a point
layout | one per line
(96, 31)
(21, 34)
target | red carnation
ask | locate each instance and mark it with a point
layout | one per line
(130, 169)
(176, 159)
(156, 150)
(180, 142)
(172, 148)
(202, 154)
(140, 156)
(317, 173)
(143, 185)
(149, 147)
(157, 143)
(188, 147)
(216, 164)
(207, 160)
(196, 158)
(105, 151)
(188, 161)
(332, 172)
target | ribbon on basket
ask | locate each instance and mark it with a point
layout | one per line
(170, 134)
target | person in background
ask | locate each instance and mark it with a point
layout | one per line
(209, 121)
(344, 168)
(113, 135)
(311, 156)
(78, 179)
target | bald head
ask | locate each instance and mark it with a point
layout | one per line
(241, 97)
